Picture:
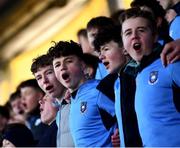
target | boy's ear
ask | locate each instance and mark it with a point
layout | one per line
(83, 65)
(159, 21)
(155, 38)
(89, 71)
(125, 52)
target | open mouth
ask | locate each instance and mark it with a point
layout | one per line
(41, 109)
(65, 76)
(21, 112)
(49, 87)
(106, 64)
(137, 46)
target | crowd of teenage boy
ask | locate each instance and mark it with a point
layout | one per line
(117, 87)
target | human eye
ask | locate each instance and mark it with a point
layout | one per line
(56, 65)
(106, 49)
(69, 60)
(38, 78)
(142, 29)
(127, 33)
(49, 72)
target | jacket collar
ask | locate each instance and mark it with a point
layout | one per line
(133, 67)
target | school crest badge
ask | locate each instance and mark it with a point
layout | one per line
(83, 107)
(153, 78)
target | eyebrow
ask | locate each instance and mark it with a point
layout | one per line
(69, 57)
(129, 29)
(140, 27)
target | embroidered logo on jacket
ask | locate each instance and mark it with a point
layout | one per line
(83, 107)
(153, 78)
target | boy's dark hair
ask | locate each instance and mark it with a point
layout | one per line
(100, 23)
(19, 135)
(41, 61)
(30, 83)
(137, 12)
(82, 32)
(91, 61)
(65, 48)
(107, 35)
(4, 111)
(15, 95)
(154, 5)
(115, 16)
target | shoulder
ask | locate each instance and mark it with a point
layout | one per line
(106, 85)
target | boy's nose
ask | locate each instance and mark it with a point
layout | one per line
(135, 35)
(101, 56)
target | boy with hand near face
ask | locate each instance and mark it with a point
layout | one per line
(157, 88)
(92, 114)
(43, 71)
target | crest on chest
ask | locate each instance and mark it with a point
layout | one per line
(153, 77)
(83, 107)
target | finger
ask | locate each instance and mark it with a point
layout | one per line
(116, 145)
(175, 59)
(175, 54)
(164, 60)
(116, 132)
(168, 48)
(115, 140)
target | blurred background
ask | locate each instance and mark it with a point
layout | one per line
(28, 28)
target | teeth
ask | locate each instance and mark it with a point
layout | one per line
(137, 46)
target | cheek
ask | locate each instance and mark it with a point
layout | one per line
(124, 42)
(53, 79)
(57, 74)
(116, 55)
(41, 85)
(76, 70)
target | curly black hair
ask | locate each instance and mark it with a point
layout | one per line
(107, 35)
(65, 48)
(41, 61)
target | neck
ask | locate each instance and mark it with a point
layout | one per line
(82, 81)
(51, 122)
(61, 96)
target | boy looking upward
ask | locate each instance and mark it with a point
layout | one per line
(92, 115)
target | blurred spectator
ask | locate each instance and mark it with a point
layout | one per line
(48, 113)
(31, 93)
(17, 113)
(115, 16)
(170, 15)
(83, 41)
(4, 117)
(17, 135)
(92, 63)
(95, 25)
(172, 8)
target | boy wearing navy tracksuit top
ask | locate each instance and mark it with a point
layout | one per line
(92, 114)
(157, 88)
(118, 84)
